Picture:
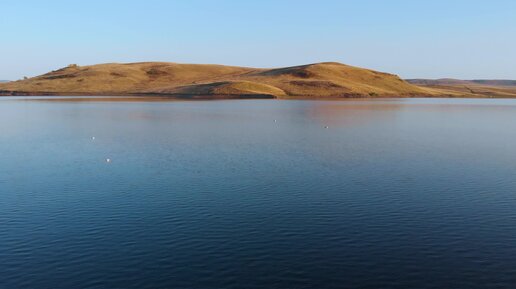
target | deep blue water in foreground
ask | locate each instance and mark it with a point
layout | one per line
(217, 194)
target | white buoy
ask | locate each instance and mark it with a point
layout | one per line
(275, 121)
(326, 127)
(92, 138)
(108, 160)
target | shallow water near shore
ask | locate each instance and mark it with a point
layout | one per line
(390, 193)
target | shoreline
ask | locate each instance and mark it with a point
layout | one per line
(165, 98)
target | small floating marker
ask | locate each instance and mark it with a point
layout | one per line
(108, 160)
(275, 121)
(92, 138)
(326, 127)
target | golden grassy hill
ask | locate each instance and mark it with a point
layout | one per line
(320, 80)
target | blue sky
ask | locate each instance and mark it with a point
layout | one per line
(427, 39)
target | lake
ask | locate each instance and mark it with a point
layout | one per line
(391, 193)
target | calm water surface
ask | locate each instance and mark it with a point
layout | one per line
(258, 194)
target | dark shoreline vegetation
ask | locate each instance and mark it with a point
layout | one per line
(328, 80)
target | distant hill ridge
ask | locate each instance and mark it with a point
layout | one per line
(317, 80)
(477, 87)
(448, 81)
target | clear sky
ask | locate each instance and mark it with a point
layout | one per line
(412, 38)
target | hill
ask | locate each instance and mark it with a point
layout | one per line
(452, 81)
(319, 80)
(477, 87)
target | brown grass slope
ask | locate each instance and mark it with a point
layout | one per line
(320, 80)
